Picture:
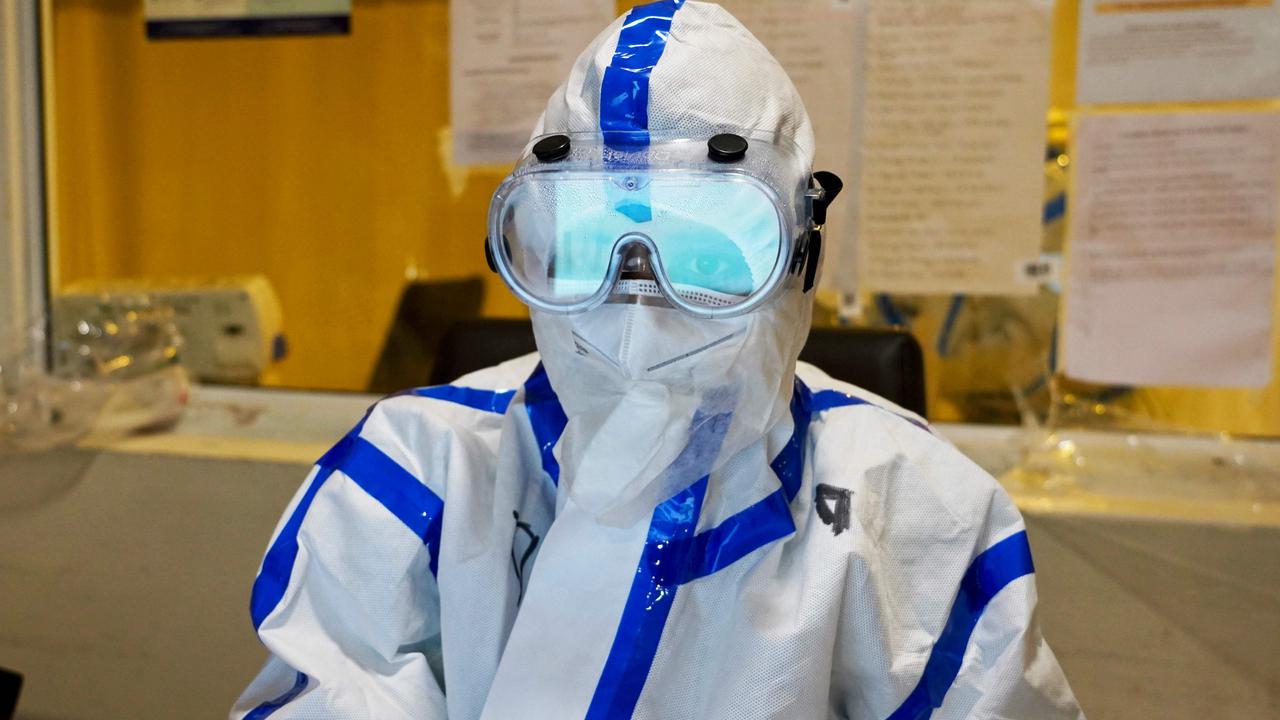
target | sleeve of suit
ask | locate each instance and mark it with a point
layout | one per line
(346, 600)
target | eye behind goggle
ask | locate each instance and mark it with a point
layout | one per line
(708, 283)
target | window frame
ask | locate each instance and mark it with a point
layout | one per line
(24, 244)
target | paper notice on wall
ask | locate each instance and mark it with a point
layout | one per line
(1134, 51)
(174, 19)
(952, 135)
(506, 57)
(1170, 268)
(816, 42)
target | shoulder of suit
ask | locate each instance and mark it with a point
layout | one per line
(475, 401)
(870, 444)
(504, 376)
(841, 398)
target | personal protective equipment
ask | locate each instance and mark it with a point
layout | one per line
(722, 221)
(659, 516)
(659, 396)
(850, 565)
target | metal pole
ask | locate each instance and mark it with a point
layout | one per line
(24, 267)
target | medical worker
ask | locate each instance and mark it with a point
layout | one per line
(659, 515)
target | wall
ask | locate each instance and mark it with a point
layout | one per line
(318, 161)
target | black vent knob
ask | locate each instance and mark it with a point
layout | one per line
(551, 148)
(727, 148)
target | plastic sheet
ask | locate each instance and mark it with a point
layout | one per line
(111, 372)
(1199, 478)
(990, 358)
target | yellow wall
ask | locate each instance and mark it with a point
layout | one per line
(318, 161)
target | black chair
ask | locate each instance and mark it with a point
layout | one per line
(426, 310)
(886, 362)
(471, 345)
(10, 686)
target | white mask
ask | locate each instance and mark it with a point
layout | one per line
(632, 379)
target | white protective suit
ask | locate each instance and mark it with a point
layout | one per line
(660, 516)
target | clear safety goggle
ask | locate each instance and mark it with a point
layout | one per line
(710, 226)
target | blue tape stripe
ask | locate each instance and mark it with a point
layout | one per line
(889, 311)
(768, 521)
(546, 417)
(378, 475)
(1055, 208)
(789, 464)
(713, 550)
(675, 555)
(989, 573)
(624, 89)
(674, 558)
(949, 324)
(277, 566)
(647, 608)
(830, 399)
(412, 502)
(487, 400)
(266, 708)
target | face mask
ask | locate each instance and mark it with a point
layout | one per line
(657, 399)
(660, 345)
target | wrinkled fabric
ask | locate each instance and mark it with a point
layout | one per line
(840, 602)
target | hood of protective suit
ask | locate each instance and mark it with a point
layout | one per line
(657, 399)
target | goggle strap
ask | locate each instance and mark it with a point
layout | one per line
(831, 185)
(813, 254)
(488, 257)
